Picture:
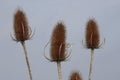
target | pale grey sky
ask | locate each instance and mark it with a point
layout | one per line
(42, 16)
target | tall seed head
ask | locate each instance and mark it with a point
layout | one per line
(92, 35)
(21, 28)
(75, 76)
(58, 43)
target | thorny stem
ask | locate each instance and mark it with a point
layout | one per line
(59, 70)
(27, 61)
(91, 64)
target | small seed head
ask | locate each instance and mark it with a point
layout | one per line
(58, 43)
(92, 35)
(75, 76)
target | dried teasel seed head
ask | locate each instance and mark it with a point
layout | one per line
(58, 43)
(75, 76)
(92, 35)
(21, 29)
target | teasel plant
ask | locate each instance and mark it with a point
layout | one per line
(92, 41)
(22, 32)
(60, 51)
(75, 75)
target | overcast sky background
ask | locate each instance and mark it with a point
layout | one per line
(42, 16)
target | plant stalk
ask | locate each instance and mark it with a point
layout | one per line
(27, 61)
(91, 64)
(59, 70)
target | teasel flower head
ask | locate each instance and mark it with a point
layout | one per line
(59, 49)
(58, 43)
(92, 35)
(22, 30)
(75, 76)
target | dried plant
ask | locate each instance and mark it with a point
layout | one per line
(92, 41)
(22, 32)
(58, 47)
(75, 76)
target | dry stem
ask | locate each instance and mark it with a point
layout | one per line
(27, 61)
(91, 64)
(59, 70)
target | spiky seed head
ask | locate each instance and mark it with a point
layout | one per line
(92, 35)
(75, 76)
(21, 28)
(58, 42)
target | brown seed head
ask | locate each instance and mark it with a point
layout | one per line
(75, 76)
(21, 28)
(58, 43)
(92, 35)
